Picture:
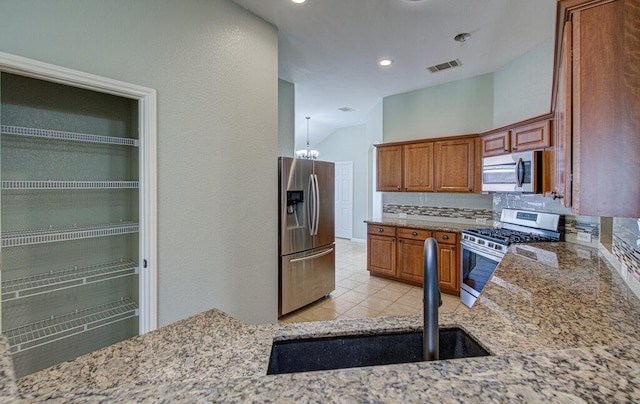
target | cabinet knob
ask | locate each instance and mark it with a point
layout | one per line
(398, 187)
(514, 148)
(405, 188)
(506, 150)
(445, 237)
(413, 233)
(380, 230)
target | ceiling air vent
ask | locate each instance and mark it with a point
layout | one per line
(444, 66)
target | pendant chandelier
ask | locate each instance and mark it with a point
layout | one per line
(307, 153)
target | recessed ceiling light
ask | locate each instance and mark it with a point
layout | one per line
(299, 1)
(385, 62)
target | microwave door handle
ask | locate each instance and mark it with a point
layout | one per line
(519, 172)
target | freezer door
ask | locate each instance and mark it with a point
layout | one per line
(305, 278)
(325, 227)
(294, 204)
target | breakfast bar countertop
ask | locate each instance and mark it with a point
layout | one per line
(562, 326)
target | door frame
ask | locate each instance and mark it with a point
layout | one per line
(147, 110)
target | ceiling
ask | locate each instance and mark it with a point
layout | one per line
(330, 48)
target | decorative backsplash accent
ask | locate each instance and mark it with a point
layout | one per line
(446, 212)
(628, 256)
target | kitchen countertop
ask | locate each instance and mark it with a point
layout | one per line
(562, 324)
(426, 224)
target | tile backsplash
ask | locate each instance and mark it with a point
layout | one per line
(436, 206)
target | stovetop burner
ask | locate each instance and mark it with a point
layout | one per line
(508, 236)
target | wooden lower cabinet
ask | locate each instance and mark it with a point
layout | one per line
(411, 253)
(402, 257)
(381, 254)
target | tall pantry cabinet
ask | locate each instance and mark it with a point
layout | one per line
(71, 204)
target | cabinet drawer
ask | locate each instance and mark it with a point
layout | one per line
(414, 234)
(446, 237)
(381, 230)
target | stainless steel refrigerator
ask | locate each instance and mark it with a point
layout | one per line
(306, 232)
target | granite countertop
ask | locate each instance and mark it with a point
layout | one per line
(562, 326)
(425, 224)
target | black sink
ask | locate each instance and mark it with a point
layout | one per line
(303, 355)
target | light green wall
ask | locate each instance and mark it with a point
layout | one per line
(286, 118)
(350, 144)
(522, 88)
(455, 108)
(217, 132)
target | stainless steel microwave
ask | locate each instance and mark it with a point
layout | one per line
(516, 172)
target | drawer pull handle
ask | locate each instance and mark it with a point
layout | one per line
(380, 230)
(413, 233)
(445, 237)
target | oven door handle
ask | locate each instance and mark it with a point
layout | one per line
(471, 248)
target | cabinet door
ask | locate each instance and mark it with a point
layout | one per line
(418, 167)
(389, 168)
(496, 143)
(381, 255)
(455, 161)
(558, 158)
(531, 137)
(411, 260)
(606, 101)
(448, 271)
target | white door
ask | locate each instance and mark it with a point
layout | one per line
(344, 199)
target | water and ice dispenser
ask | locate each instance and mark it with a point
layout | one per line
(295, 204)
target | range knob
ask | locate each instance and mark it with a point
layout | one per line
(490, 245)
(481, 242)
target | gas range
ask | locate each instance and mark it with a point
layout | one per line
(483, 248)
(517, 226)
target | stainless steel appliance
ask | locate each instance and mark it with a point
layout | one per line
(483, 248)
(306, 232)
(516, 172)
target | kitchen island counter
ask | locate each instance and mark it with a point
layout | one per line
(562, 324)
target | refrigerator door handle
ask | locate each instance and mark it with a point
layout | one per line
(317, 195)
(310, 202)
(311, 257)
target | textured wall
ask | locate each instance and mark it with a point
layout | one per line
(217, 132)
(286, 118)
(522, 88)
(456, 108)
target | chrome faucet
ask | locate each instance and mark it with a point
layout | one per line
(431, 301)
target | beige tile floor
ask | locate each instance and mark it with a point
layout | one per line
(360, 295)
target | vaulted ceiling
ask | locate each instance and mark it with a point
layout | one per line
(330, 48)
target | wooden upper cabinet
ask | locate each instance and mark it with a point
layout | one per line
(418, 167)
(529, 136)
(557, 167)
(389, 168)
(496, 143)
(605, 100)
(455, 165)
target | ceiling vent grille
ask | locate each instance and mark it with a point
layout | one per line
(444, 66)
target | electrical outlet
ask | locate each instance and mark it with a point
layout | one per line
(402, 215)
(582, 236)
(481, 220)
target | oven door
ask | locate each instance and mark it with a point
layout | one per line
(476, 268)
